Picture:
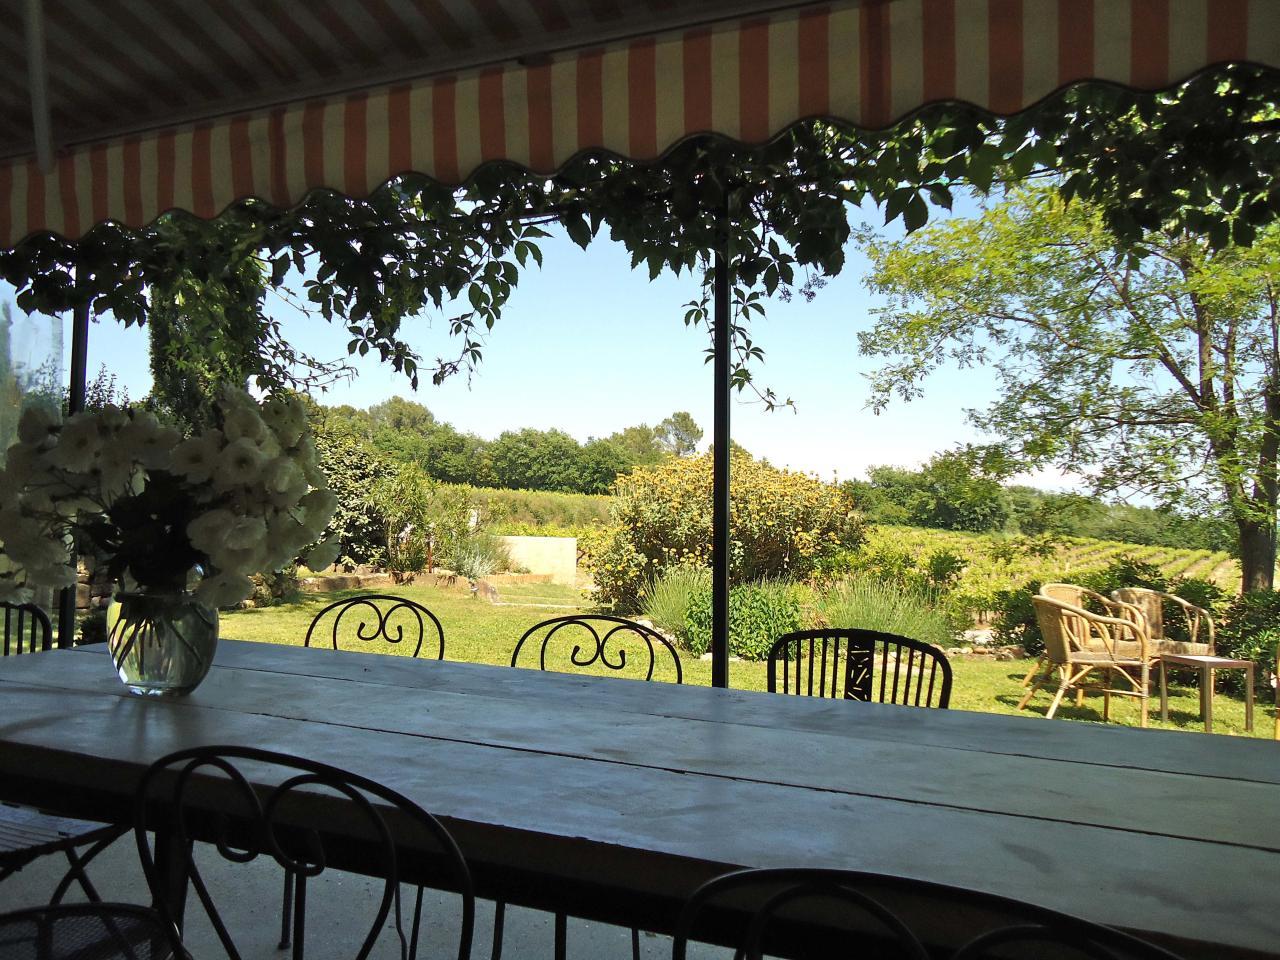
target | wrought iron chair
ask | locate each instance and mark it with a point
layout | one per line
(85, 931)
(204, 794)
(583, 641)
(374, 616)
(816, 912)
(27, 834)
(844, 663)
(366, 618)
(592, 639)
(1078, 643)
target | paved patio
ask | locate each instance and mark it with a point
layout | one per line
(340, 906)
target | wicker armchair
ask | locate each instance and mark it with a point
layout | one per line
(1078, 642)
(1151, 604)
(1079, 596)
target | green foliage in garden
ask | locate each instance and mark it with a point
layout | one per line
(669, 597)
(759, 613)
(1250, 630)
(950, 492)
(782, 524)
(354, 470)
(868, 603)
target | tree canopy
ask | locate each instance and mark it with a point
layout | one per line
(1154, 368)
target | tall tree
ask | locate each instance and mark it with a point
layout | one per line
(678, 434)
(1154, 368)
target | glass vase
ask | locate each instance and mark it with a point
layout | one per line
(161, 643)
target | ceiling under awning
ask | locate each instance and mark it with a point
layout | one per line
(155, 105)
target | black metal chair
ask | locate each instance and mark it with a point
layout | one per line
(845, 663)
(85, 931)
(587, 639)
(26, 833)
(582, 641)
(26, 628)
(205, 794)
(374, 616)
(822, 913)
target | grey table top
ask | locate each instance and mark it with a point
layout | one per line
(651, 788)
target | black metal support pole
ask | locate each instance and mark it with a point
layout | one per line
(77, 387)
(722, 344)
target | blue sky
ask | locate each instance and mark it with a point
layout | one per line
(589, 347)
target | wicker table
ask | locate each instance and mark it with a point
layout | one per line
(1206, 665)
(612, 799)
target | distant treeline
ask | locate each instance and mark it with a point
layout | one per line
(947, 493)
(402, 431)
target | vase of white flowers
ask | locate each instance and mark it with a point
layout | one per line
(180, 523)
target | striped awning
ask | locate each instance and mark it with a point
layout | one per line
(155, 105)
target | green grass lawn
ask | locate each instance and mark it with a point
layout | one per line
(477, 631)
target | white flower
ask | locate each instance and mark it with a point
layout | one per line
(224, 590)
(206, 531)
(238, 466)
(13, 592)
(55, 574)
(79, 444)
(113, 418)
(287, 418)
(318, 508)
(284, 481)
(244, 423)
(22, 462)
(245, 533)
(324, 553)
(116, 468)
(243, 561)
(195, 459)
(36, 423)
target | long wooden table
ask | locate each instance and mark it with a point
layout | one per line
(613, 799)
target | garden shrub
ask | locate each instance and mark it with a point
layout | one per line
(478, 555)
(354, 470)
(668, 598)
(759, 613)
(783, 524)
(890, 607)
(1249, 629)
(1015, 618)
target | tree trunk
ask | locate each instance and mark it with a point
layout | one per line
(1257, 555)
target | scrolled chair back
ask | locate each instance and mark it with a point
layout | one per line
(306, 816)
(366, 618)
(580, 642)
(826, 913)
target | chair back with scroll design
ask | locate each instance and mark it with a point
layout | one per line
(816, 912)
(587, 640)
(26, 628)
(306, 816)
(858, 664)
(370, 617)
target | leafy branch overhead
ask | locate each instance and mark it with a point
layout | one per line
(1201, 159)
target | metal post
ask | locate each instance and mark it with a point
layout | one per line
(722, 345)
(77, 388)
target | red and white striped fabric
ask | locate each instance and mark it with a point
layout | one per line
(864, 63)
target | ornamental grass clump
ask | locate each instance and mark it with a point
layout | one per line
(161, 511)
(888, 607)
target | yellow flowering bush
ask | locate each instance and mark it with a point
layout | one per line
(782, 524)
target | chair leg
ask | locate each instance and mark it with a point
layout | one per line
(499, 915)
(286, 913)
(1036, 667)
(635, 943)
(562, 936)
(1057, 697)
(77, 872)
(1032, 692)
